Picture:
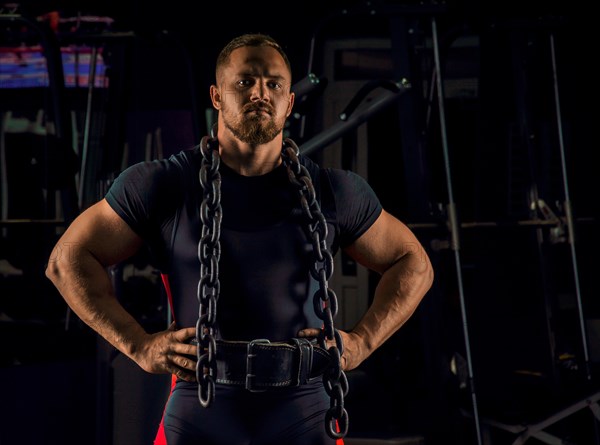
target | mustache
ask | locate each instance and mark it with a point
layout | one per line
(258, 107)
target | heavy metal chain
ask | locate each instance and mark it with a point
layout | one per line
(324, 300)
(209, 252)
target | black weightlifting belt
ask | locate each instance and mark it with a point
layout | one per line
(259, 365)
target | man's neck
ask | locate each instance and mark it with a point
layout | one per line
(249, 160)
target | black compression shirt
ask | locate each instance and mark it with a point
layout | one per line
(266, 288)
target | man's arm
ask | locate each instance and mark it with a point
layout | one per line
(97, 239)
(390, 248)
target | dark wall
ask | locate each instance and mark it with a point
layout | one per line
(518, 282)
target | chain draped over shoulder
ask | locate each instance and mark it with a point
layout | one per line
(324, 300)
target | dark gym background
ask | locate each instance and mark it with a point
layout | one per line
(473, 121)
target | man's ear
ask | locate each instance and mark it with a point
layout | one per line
(215, 97)
(290, 105)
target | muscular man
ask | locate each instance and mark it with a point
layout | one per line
(265, 285)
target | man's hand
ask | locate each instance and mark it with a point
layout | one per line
(351, 357)
(389, 248)
(168, 352)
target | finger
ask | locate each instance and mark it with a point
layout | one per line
(344, 362)
(184, 349)
(183, 335)
(183, 374)
(309, 332)
(184, 362)
(182, 367)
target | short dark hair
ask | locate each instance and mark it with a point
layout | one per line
(256, 39)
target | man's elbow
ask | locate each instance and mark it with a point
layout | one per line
(53, 270)
(430, 275)
(58, 266)
(426, 272)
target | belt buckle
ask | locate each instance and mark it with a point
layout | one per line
(305, 360)
(249, 356)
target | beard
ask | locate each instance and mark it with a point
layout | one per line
(253, 129)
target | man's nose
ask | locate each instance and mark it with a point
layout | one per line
(260, 92)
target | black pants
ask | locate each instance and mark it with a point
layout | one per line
(290, 416)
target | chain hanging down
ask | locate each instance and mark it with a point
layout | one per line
(324, 300)
(209, 252)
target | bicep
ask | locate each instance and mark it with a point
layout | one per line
(102, 233)
(384, 243)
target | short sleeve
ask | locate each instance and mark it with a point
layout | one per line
(357, 205)
(146, 195)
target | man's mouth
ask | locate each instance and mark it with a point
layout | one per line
(259, 110)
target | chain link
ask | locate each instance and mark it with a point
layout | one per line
(209, 252)
(324, 300)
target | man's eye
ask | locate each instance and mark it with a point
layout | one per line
(275, 85)
(244, 82)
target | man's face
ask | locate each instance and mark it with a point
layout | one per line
(253, 94)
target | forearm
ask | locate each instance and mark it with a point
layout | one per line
(86, 287)
(397, 295)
